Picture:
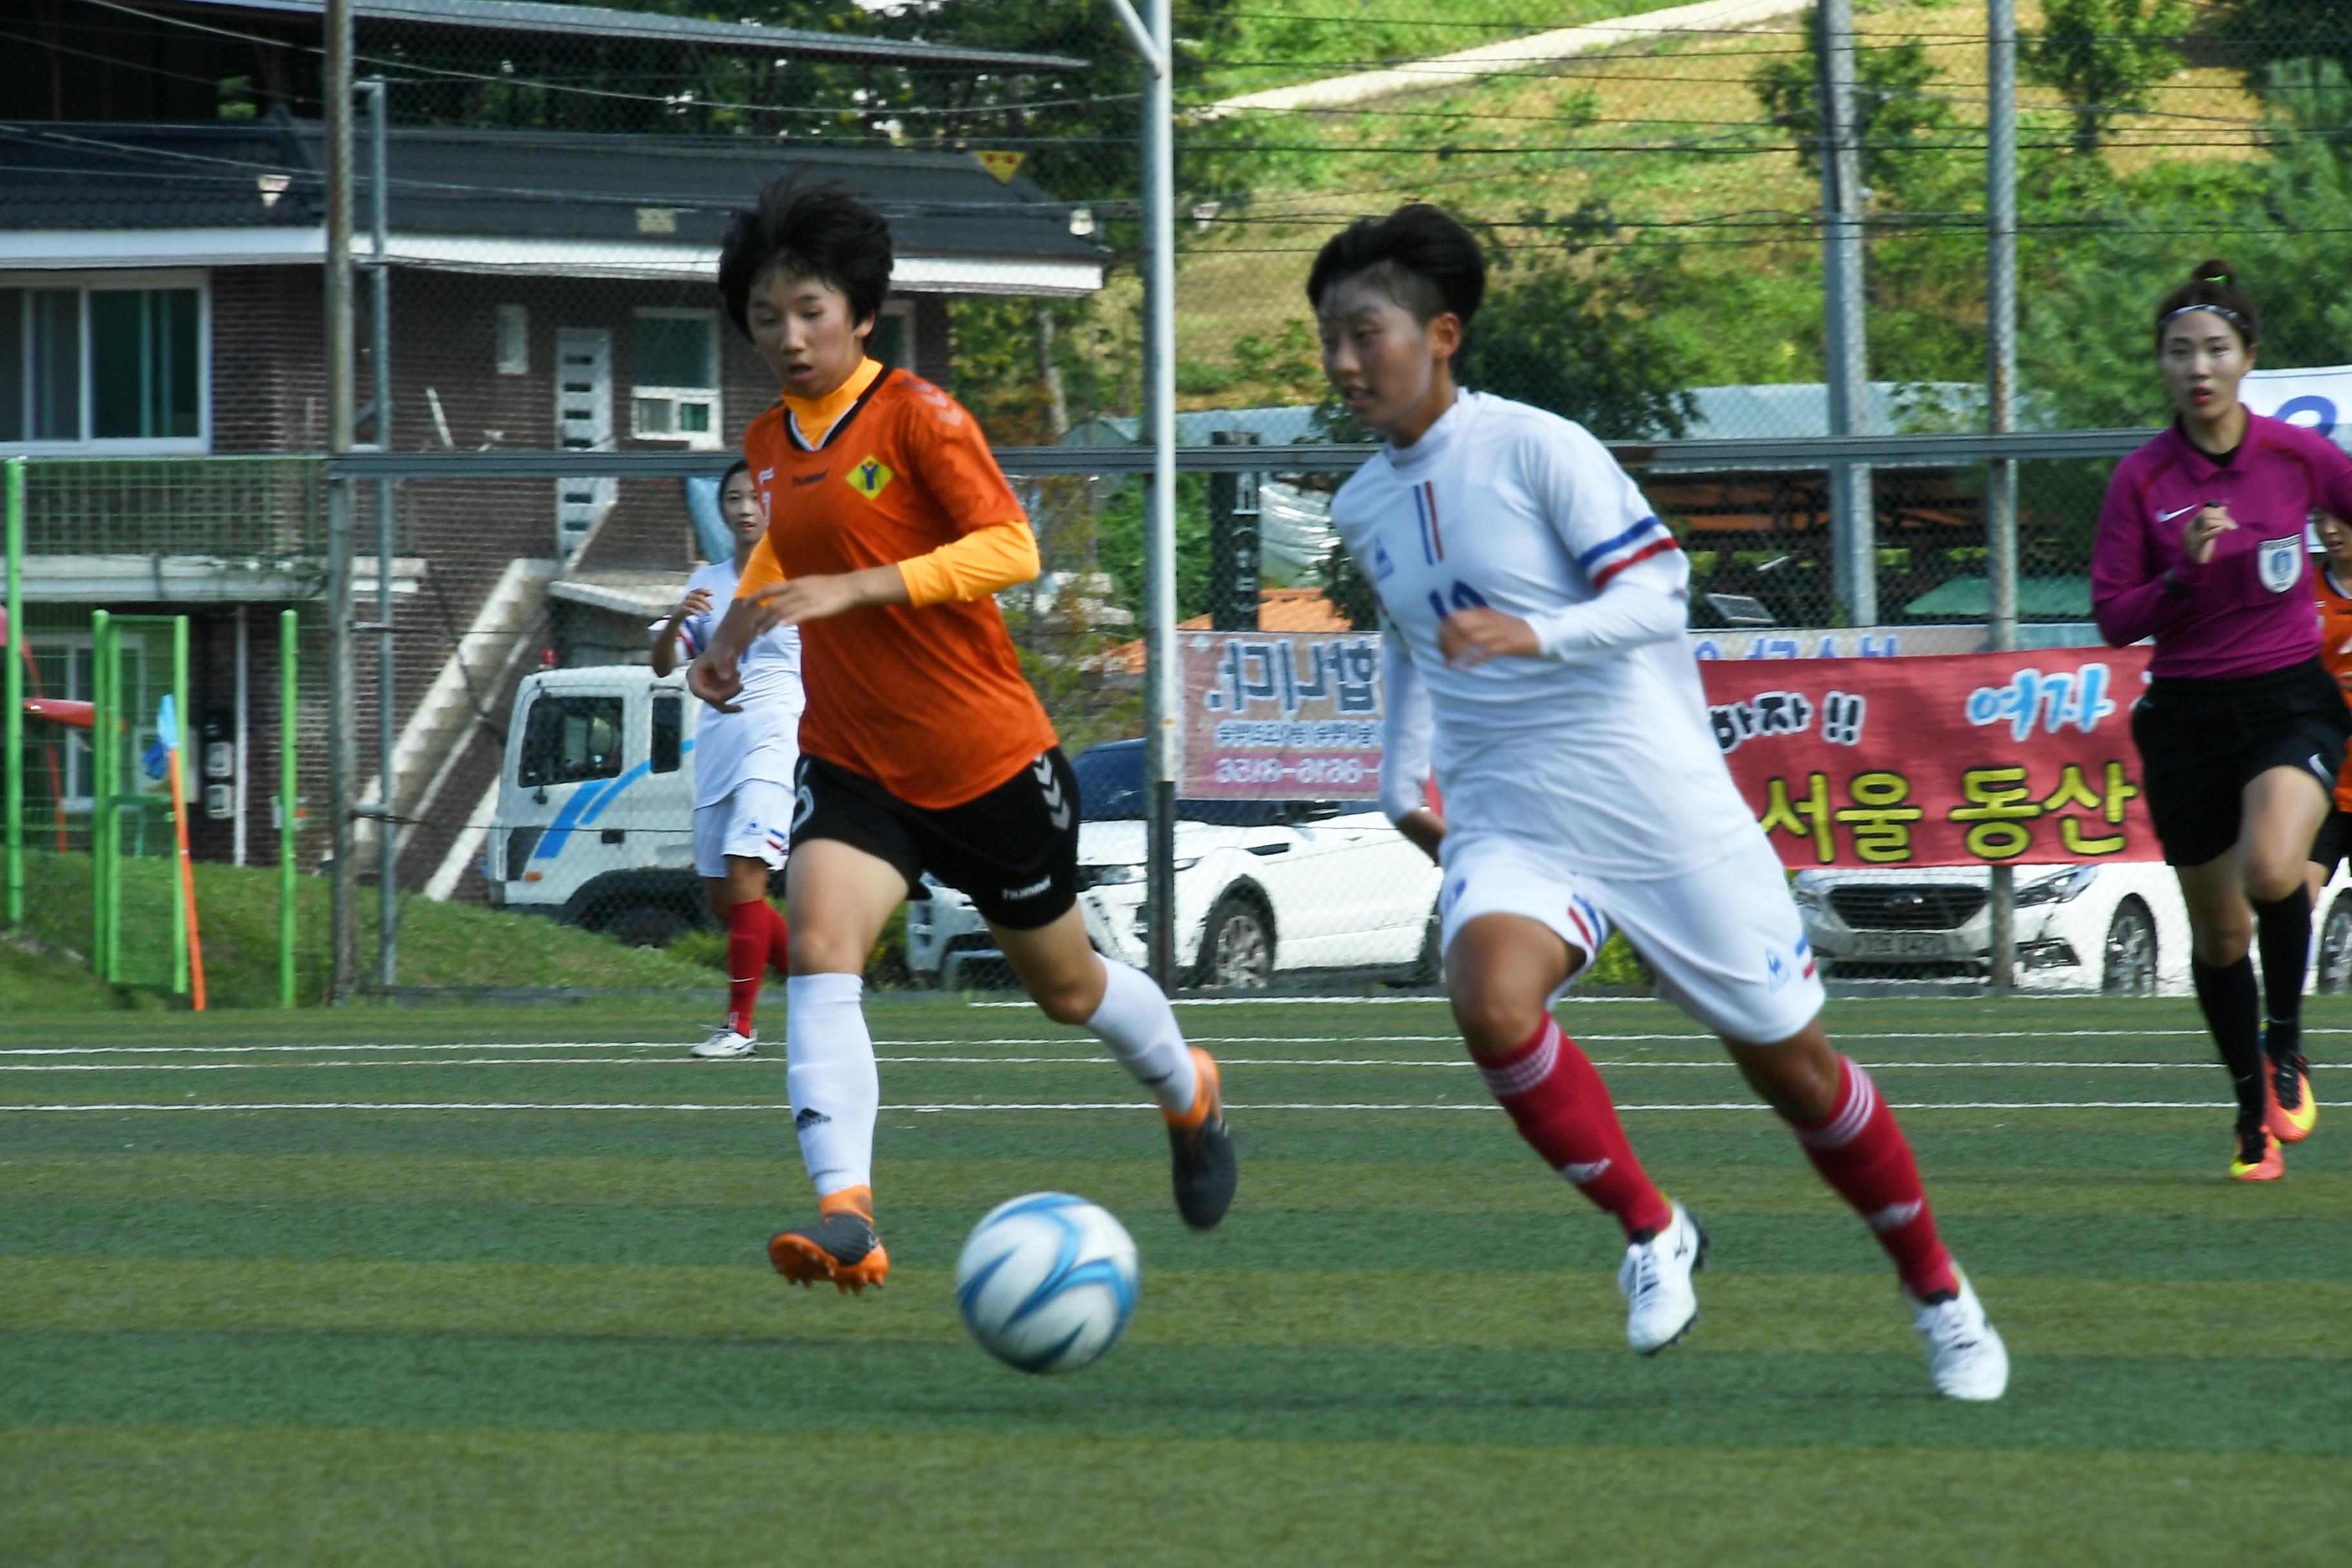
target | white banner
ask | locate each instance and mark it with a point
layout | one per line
(2320, 398)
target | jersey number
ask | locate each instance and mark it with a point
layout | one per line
(1466, 597)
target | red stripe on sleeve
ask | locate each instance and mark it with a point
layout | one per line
(1658, 547)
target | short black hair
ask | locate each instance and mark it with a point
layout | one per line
(739, 466)
(2212, 287)
(1419, 255)
(817, 231)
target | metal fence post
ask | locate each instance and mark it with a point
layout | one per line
(341, 689)
(1234, 542)
(290, 796)
(102, 752)
(177, 758)
(387, 923)
(18, 651)
(2000, 402)
(1853, 522)
(1153, 44)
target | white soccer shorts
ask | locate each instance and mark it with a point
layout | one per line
(1490, 875)
(1724, 939)
(754, 823)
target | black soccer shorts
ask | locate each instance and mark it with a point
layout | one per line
(2203, 742)
(1013, 851)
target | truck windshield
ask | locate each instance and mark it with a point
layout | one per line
(568, 739)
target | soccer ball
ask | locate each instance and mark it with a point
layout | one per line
(1046, 1282)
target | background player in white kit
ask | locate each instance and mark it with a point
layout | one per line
(744, 761)
(1533, 611)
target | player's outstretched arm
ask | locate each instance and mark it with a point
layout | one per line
(1404, 747)
(806, 599)
(666, 634)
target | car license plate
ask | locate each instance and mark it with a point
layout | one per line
(1905, 944)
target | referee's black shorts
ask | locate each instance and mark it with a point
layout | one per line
(2203, 742)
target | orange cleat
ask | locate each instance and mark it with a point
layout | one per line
(2289, 1110)
(2268, 1164)
(841, 1246)
(1202, 1150)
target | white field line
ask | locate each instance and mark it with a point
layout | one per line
(1055, 1106)
(322, 1046)
(777, 1063)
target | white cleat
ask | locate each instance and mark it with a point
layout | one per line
(1655, 1280)
(1965, 1354)
(724, 1044)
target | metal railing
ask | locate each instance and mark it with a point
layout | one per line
(222, 507)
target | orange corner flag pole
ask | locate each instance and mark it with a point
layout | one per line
(171, 739)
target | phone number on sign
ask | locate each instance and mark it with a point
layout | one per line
(1305, 770)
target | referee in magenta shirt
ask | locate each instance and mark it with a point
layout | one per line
(2241, 731)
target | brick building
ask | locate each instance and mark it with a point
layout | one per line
(162, 351)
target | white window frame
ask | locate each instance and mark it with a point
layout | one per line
(710, 397)
(516, 318)
(903, 309)
(87, 283)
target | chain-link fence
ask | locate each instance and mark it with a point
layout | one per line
(1646, 181)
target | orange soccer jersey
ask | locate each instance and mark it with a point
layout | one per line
(926, 699)
(2335, 653)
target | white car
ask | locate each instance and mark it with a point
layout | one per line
(1263, 887)
(2118, 927)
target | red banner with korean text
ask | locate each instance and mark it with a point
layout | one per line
(1281, 715)
(1962, 759)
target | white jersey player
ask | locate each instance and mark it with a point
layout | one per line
(743, 762)
(1533, 609)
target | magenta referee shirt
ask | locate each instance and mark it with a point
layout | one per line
(2250, 609)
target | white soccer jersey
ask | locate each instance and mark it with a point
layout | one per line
(1602, 748)
(762, 741)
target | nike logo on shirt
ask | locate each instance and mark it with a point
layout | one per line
(2169, 516)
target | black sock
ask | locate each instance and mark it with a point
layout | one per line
(2283, 932)
(2233, 1008)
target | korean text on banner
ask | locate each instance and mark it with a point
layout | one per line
(1274, 716)
(1969, 760)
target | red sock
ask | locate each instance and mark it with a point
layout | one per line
(1860, 1152)
(1563, 1110)
(779, 940)
(749, 942)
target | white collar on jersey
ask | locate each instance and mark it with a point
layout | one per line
(1438, 436)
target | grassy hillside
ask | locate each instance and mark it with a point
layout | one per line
(1668, 134)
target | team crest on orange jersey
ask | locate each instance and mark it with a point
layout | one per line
(869, 476)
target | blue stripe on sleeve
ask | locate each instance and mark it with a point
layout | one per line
(1622, 540)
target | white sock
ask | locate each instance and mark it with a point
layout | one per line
(829, 1073)
(1135, 1022)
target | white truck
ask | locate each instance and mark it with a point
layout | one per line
(595, 815)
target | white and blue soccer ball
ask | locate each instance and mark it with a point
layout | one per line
(1047, 1281)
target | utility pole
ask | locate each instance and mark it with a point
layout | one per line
(2000, 396)
(1852, 528)
(1162, 687)
(341, 689)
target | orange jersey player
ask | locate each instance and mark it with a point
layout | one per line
(922, 748)
(2291, 1109)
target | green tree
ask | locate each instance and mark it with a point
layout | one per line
(2104, 56)
(1575, 329)
(2262, 32)
(1896, 118)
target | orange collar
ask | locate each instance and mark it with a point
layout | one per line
(816, 417)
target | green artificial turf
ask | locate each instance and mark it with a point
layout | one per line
(487, 1286)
